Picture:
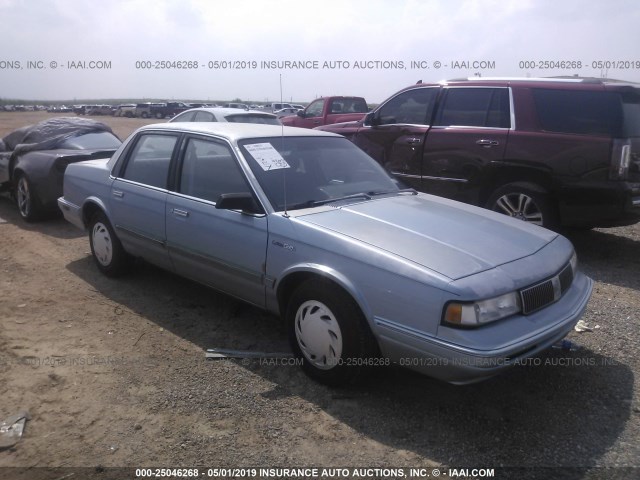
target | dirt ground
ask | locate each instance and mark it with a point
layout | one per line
(113, 373)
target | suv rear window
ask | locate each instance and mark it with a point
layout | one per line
(631, 110)
(588, 113)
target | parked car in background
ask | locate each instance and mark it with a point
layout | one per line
(243, 106)
(286, 112)
(554, 151)
(33, 159)
(125, 110)
(304, 224)
(168, 109)
(149, 110)
(274, 107)
(98, 110)
(219, 114)
(328, 110)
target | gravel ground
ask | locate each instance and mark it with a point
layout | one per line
(113, 373)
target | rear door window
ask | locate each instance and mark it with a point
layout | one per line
(475, 107)
(204, 117)
(184, 117)
(149, 161)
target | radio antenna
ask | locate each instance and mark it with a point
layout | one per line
(284, 174)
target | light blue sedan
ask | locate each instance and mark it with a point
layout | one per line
(305, 225)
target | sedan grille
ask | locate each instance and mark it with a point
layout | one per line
(544, 293)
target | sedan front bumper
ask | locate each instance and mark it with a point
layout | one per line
(461, 364)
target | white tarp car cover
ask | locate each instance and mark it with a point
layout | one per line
(49, 134)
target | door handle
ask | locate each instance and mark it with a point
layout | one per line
(414, 141)
(488, 143)
(180, 213)
(118, 193)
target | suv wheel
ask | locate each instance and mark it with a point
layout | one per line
(159, 116)
(524, 201)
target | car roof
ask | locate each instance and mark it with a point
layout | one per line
(237, 131)
(533, 82)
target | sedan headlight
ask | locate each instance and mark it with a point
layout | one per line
(574, 263)
(485, 311)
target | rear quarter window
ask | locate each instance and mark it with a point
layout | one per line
(579, 112)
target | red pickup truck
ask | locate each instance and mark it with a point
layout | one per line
(328, 110)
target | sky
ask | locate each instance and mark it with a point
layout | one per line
(238, 49)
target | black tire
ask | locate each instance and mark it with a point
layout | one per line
(107, 251)
(525, 201)
(29, 205)
(144, 115)
(329, 333)
(159, 116)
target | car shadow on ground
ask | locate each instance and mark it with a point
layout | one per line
(605, 254)
(563, 408)
(53, 225)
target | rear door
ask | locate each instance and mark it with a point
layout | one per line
(139, 195)
(398, 129)
(470, 131)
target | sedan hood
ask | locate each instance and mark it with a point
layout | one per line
(451, 238)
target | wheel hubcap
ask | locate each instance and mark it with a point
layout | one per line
(23, 197)
(102, 247)
(520, 206)
(318, 335)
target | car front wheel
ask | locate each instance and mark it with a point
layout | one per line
(28, 203)
(329, 333)
(108, 253)
(524, 201)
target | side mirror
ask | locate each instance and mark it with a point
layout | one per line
(238, 201)
(300, 113)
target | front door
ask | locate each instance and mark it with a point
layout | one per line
(398, 130)
(225, 249)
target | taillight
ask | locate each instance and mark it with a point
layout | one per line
(621, 157)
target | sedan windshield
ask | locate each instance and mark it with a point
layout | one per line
(92, 141)
(301, 172)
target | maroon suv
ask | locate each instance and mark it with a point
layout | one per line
(553, 151)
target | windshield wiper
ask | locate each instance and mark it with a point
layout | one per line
(366, 196)
(412, 191)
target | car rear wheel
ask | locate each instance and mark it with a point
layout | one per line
(329, 333)
(28, 203)
(159, 116)
(108, 253)
(525, 201)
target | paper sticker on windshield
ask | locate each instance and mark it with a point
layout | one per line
(267, 156)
